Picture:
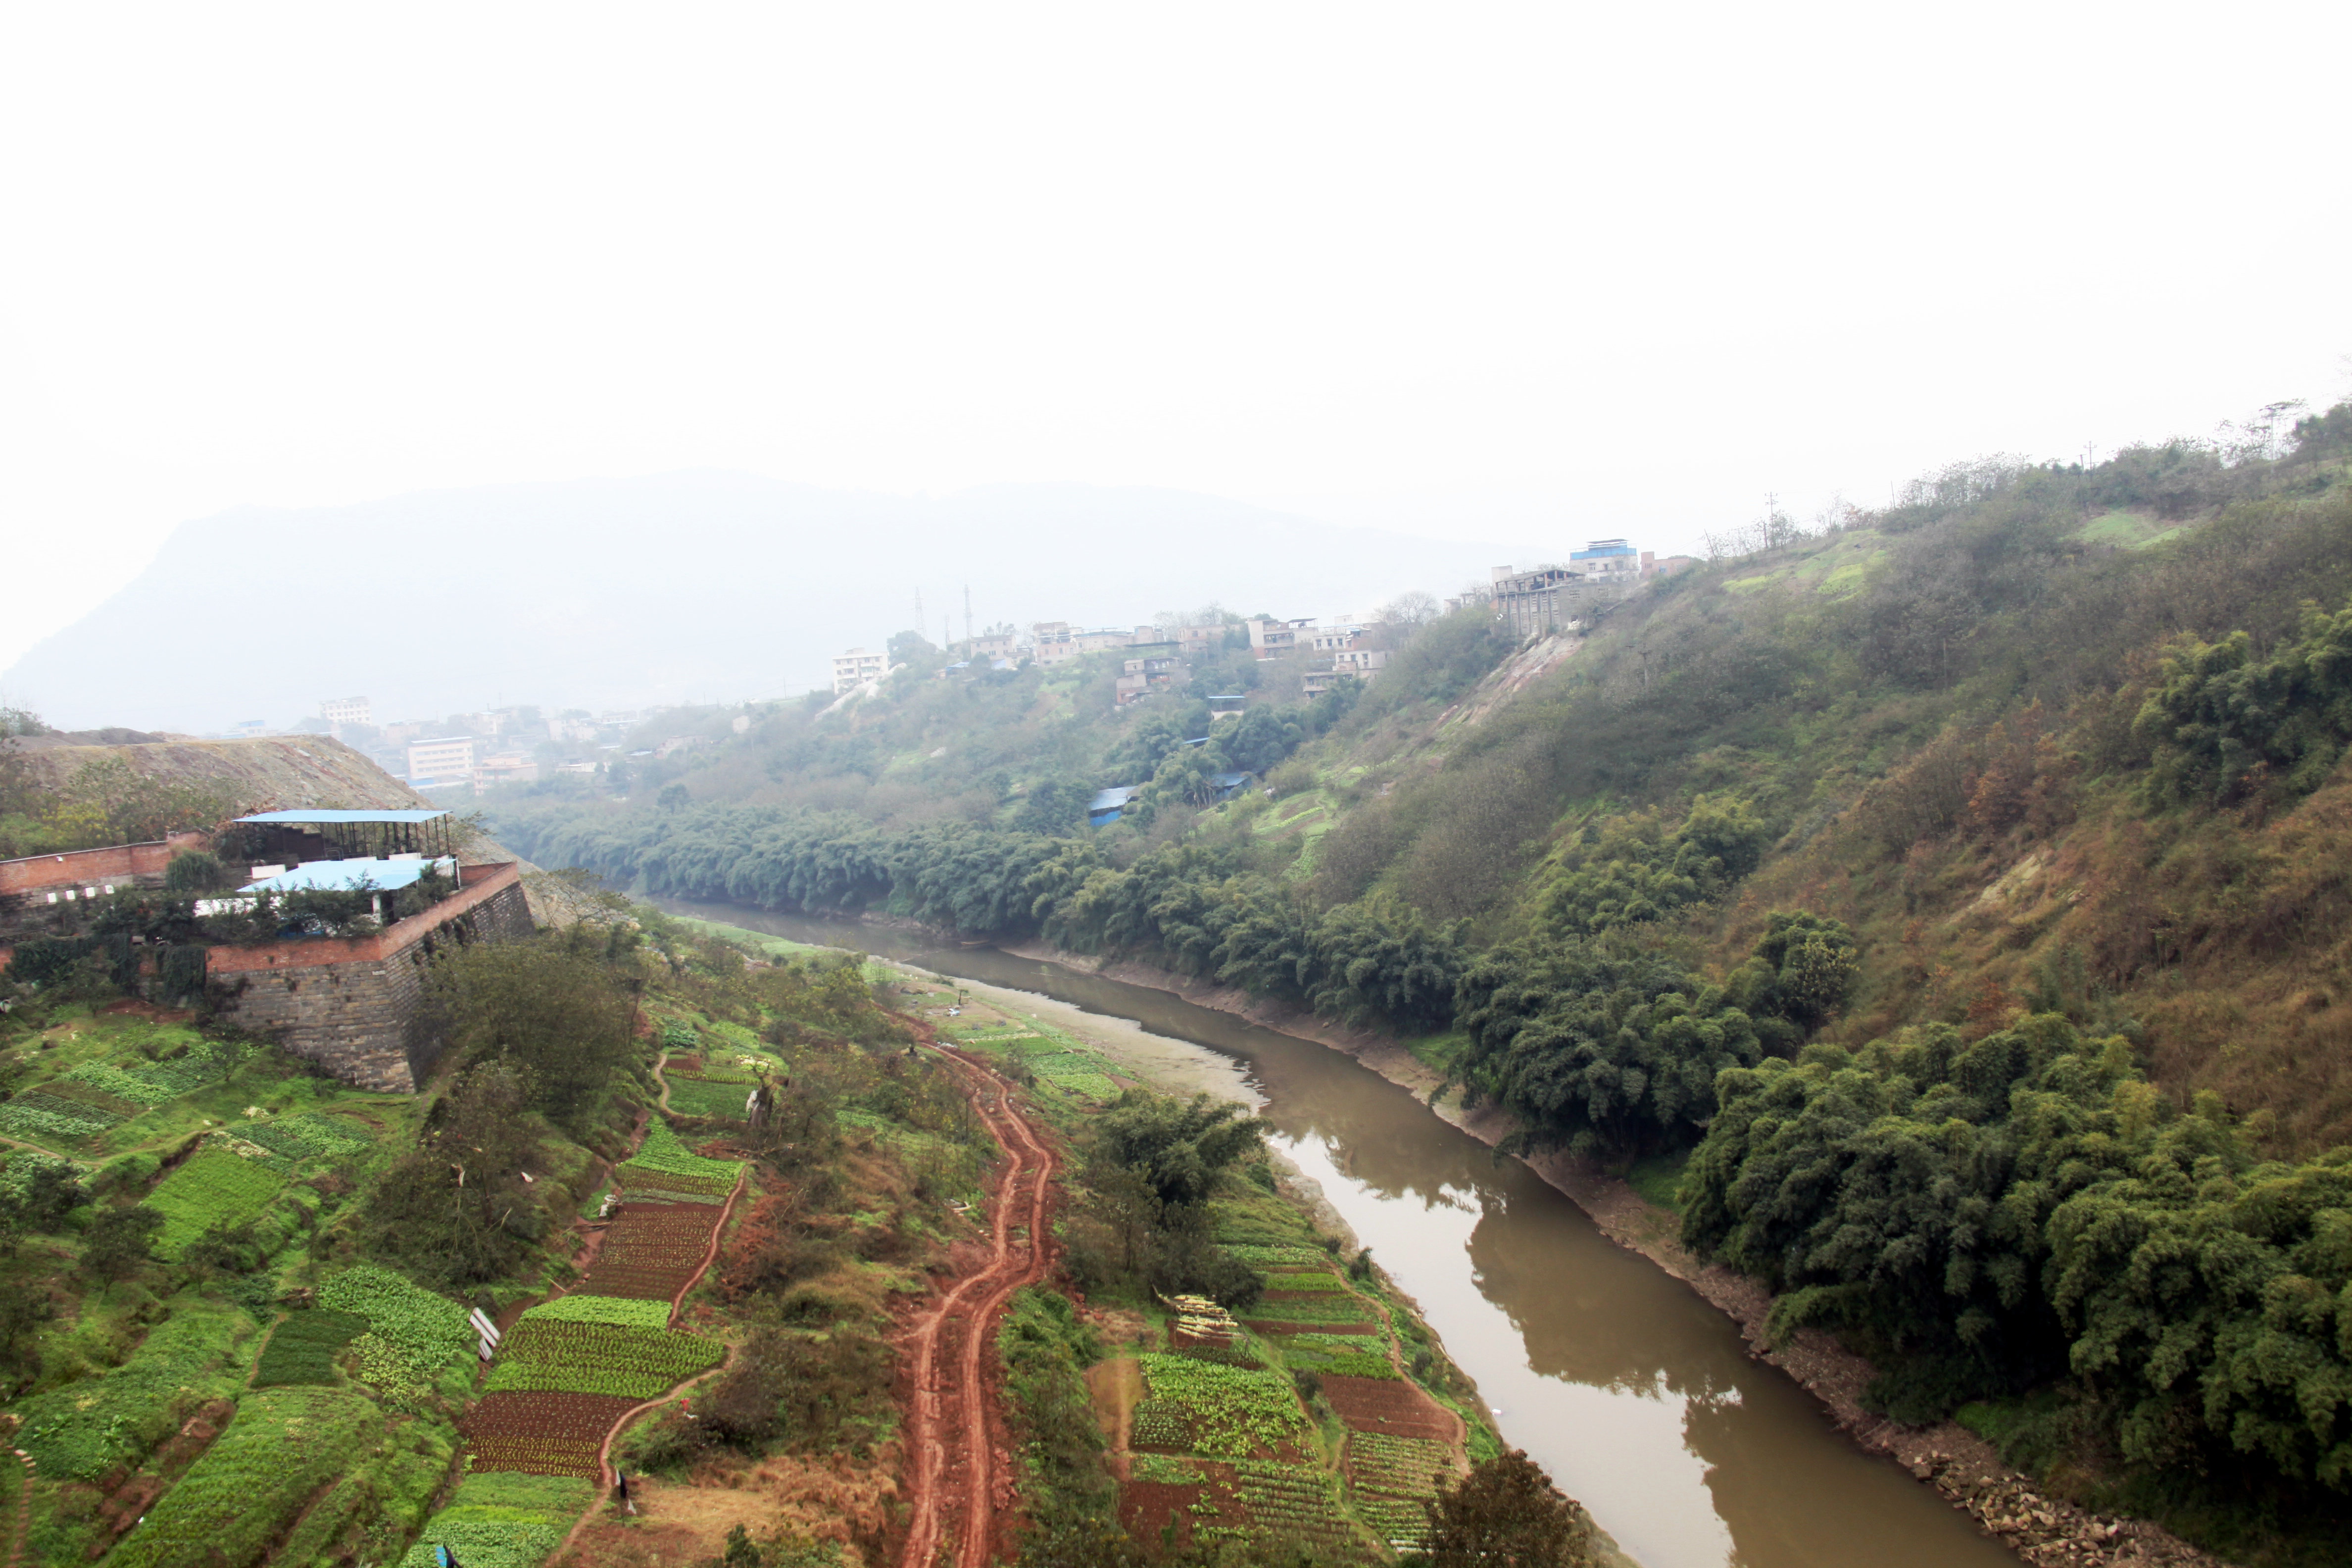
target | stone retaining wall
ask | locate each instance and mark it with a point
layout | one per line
(355, 1006)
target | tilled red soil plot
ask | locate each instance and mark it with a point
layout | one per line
(1388, 1404)
(650, 1251)
(545, 1434)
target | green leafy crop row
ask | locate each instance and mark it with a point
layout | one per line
(285, 1444)
(1234, 1413)
(214, 1187)
(576, 1357)
(84, 1429)
(413, 1335)
(611, 1309)
(503, 1518)
(663, 1162)
(302, 1140)
(302, 1350)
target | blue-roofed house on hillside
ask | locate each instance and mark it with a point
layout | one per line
(1607, 561)
(1104, 809)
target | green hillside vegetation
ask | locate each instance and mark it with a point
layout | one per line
(1997, 834)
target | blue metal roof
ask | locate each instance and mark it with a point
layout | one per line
(1591, 554)
(341, 816)
(345, 876)
(1112, 799)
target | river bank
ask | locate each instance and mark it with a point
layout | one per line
(985, 1019)
(2009, 1506)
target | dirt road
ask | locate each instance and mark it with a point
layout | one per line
(959, 1472)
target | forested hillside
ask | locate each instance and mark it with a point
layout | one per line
(1960, 889)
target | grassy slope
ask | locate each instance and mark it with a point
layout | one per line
(2237, 989)
(1982, 619)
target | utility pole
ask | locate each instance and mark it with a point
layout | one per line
(919, 612)
(967, 614)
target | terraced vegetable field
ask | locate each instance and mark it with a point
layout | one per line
(41, 1117)
(1394, 1478)
(543, 1433)
(665, 1167)
(231, 1505)
(214, 1187)
(305, 1140)
(1289, 1502)
(1389, 1406)
(650, 1252)
(572, 1367)
(713, 1097)
(1231, 1414)
(502, 1519)
(636, 1362)
(1316, 1308)
(301, 1350)
(1347, 1355)
(414, 1335)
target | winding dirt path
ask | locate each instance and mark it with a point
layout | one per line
(956, 1468)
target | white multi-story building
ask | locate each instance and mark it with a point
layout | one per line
(342, 710)
(855, 667)
(448, 758)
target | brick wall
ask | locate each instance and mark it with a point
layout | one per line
(354, 1005)
(117, 863)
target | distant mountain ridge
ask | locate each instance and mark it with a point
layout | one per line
(699, 586)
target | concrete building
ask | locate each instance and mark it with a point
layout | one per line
(1530, 602)
(855, 667)
(1195, 641)
(1364, 661)
(342, 710)
(504, 770)
(1272, 639)
(1335, 638)
(445, 760)
(1607, 561)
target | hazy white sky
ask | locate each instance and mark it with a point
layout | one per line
(1486, 271)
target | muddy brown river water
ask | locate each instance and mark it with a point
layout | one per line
(1638, 1397)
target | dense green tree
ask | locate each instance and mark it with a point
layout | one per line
(1178, 1146)
(1799, 973)
(564, 1020)
(456, 1210)
(119, 1242)
(1607, 1056)
(1605, 885)
(1506, 1513)
(2221, 720)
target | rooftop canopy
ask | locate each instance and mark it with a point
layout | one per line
(344, 816)
(348, 876)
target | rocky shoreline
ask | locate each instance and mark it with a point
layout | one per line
(2046, 1532)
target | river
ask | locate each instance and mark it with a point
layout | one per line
(1638, 1397)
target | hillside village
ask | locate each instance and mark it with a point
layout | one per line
(461, 755)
